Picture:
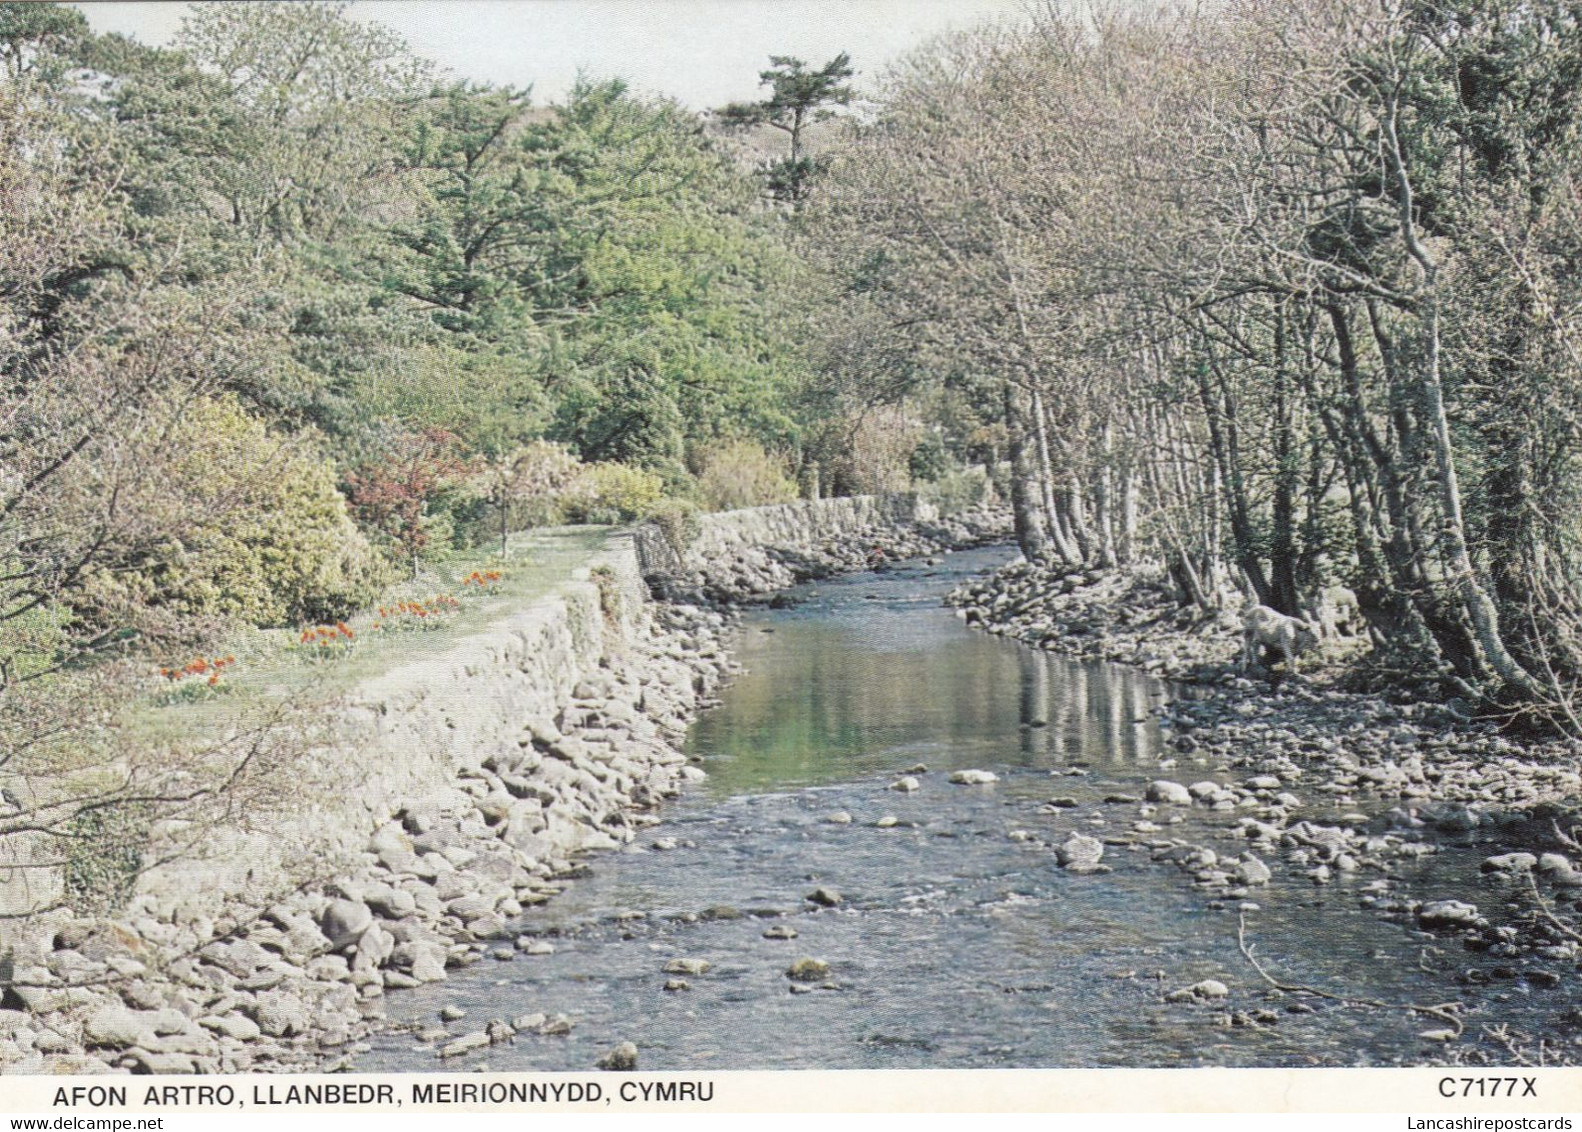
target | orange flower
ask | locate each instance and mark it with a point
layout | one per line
(213, 680)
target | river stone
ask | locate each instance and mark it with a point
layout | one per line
(464, 1044)
(824, 897)
(148, 1062)
(391, 903)
(973, 777)
(807, 970)
(237, 1026)
(281, 1015)
(1079, 852)
(906, 785)
(1554, 863)
(622, 1059)
(780, 931)
(1205, 991)
(677, 985)
(687, 967)
(344, 920)
(118, 1028)
(1448, 914)
(888, 821)
(470, 907)
(1510, 863)
(452, 1013)
(1250, 870)
(374, 947)
(1171, 793)
(839, 817)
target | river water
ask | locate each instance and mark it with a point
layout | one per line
(957, 941)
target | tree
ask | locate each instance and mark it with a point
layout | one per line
(798, 97)
(394, 493)
(38, 39)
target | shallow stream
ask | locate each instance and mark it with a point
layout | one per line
(957, 941)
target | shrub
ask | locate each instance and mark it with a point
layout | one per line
(394, 493)
(741, 474)
(613, 493)
(677, 520)
(528, 487)
(879, 451)
(958, 490)
(242, 524)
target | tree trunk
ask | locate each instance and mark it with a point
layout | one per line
(1027, 497)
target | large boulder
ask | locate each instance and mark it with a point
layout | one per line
(343, 921)
(1169, 793)
(1080, 853)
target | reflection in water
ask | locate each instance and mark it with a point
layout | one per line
(857, 682)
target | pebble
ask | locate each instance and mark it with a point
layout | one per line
(824, 897)
(807, 970)
(1203, 991)
(465, 1044)
(688, 967)
(623, 1058)
(973, 777)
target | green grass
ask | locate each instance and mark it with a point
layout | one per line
(272, 668)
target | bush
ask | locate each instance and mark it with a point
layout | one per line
(250, 526)
(677, 520)
(741, 474)
(958, 490)
(613, 493)
(879, 451)
(527, 487)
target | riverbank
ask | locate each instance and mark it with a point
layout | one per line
(1324, 784)
(207, 977)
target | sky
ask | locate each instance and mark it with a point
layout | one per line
(704, 53)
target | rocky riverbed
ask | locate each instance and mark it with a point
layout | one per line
(298, 982)
(1324, 784)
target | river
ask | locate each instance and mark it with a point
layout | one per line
(957, 941)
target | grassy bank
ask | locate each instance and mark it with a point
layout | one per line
(310, 665)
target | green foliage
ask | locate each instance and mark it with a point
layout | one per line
(741, 474)
(613, 493)
(957, 490)
(260, 532)
(104, 856)
(626, 414)
(930, 459)
(797, 98)
(39, 38)
(678, 521)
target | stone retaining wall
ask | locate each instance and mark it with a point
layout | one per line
(804, 523)
(405, 736)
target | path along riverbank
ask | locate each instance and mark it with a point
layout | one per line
(484, 780)
(1324, 783)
